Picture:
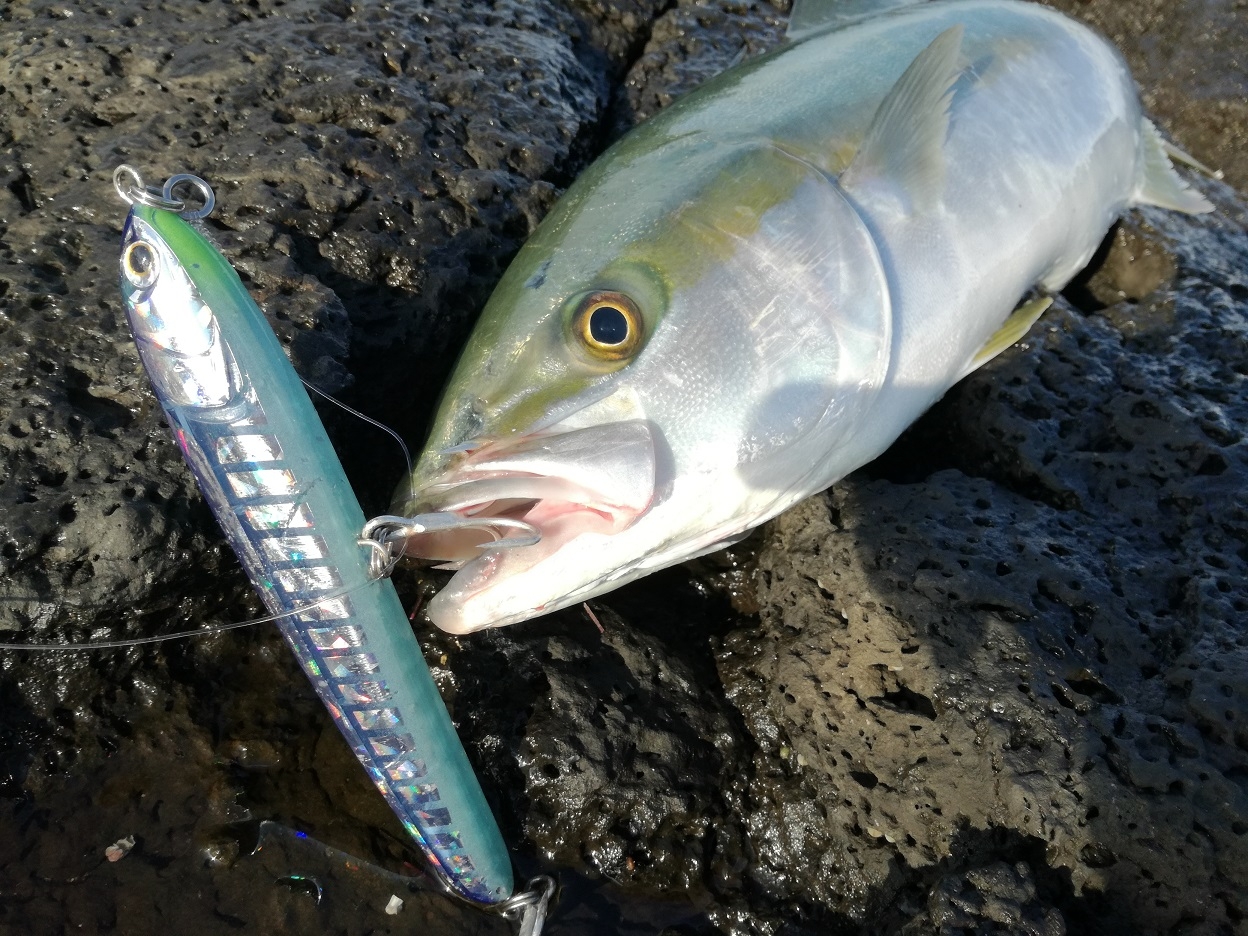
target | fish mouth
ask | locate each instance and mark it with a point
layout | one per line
(591, 481)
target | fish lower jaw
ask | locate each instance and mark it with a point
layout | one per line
(578, 489)
(571, 564)
(506, 586)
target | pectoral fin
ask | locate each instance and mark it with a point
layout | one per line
(812, 16)
(1160, 185)
(904, 149)
(1015, 327)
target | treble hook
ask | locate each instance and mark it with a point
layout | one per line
(383, 533)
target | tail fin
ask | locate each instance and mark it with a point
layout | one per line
(1159, 184)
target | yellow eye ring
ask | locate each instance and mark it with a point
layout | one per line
(608, 325)
(140, 264)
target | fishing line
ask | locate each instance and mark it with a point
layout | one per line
(200, 631)
(407, 456)
(139, 641)
(236, 625)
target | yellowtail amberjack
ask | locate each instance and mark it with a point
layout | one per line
(757, 290)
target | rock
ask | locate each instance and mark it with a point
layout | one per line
(995, 899)
(995, 682)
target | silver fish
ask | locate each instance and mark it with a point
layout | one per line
(756, 291)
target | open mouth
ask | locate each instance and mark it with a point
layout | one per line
(563, 485)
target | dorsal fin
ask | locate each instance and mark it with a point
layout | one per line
(905, 145)
(812, 16)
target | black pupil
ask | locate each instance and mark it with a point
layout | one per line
(141, 258)
(608, 325)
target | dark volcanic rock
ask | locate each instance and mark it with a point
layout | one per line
(995, 682)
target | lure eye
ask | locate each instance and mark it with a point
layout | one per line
(608, 325)
(139, 266)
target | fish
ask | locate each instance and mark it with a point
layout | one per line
(754, 292)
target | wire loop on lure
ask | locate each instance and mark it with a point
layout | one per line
(385, 535)
(129, 185)
(529, 906)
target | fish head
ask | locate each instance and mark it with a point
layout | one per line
(648, 355)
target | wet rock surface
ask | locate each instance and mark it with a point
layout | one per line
(995, 682)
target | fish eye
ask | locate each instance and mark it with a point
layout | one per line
(138, 264)
(608, 325)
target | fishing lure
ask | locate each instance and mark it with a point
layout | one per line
(266, 467)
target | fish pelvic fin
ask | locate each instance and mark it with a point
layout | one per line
(1159, 183)
(1013, 330)
(904, 149)
(813, 16)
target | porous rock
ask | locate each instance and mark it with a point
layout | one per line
(994, 683)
